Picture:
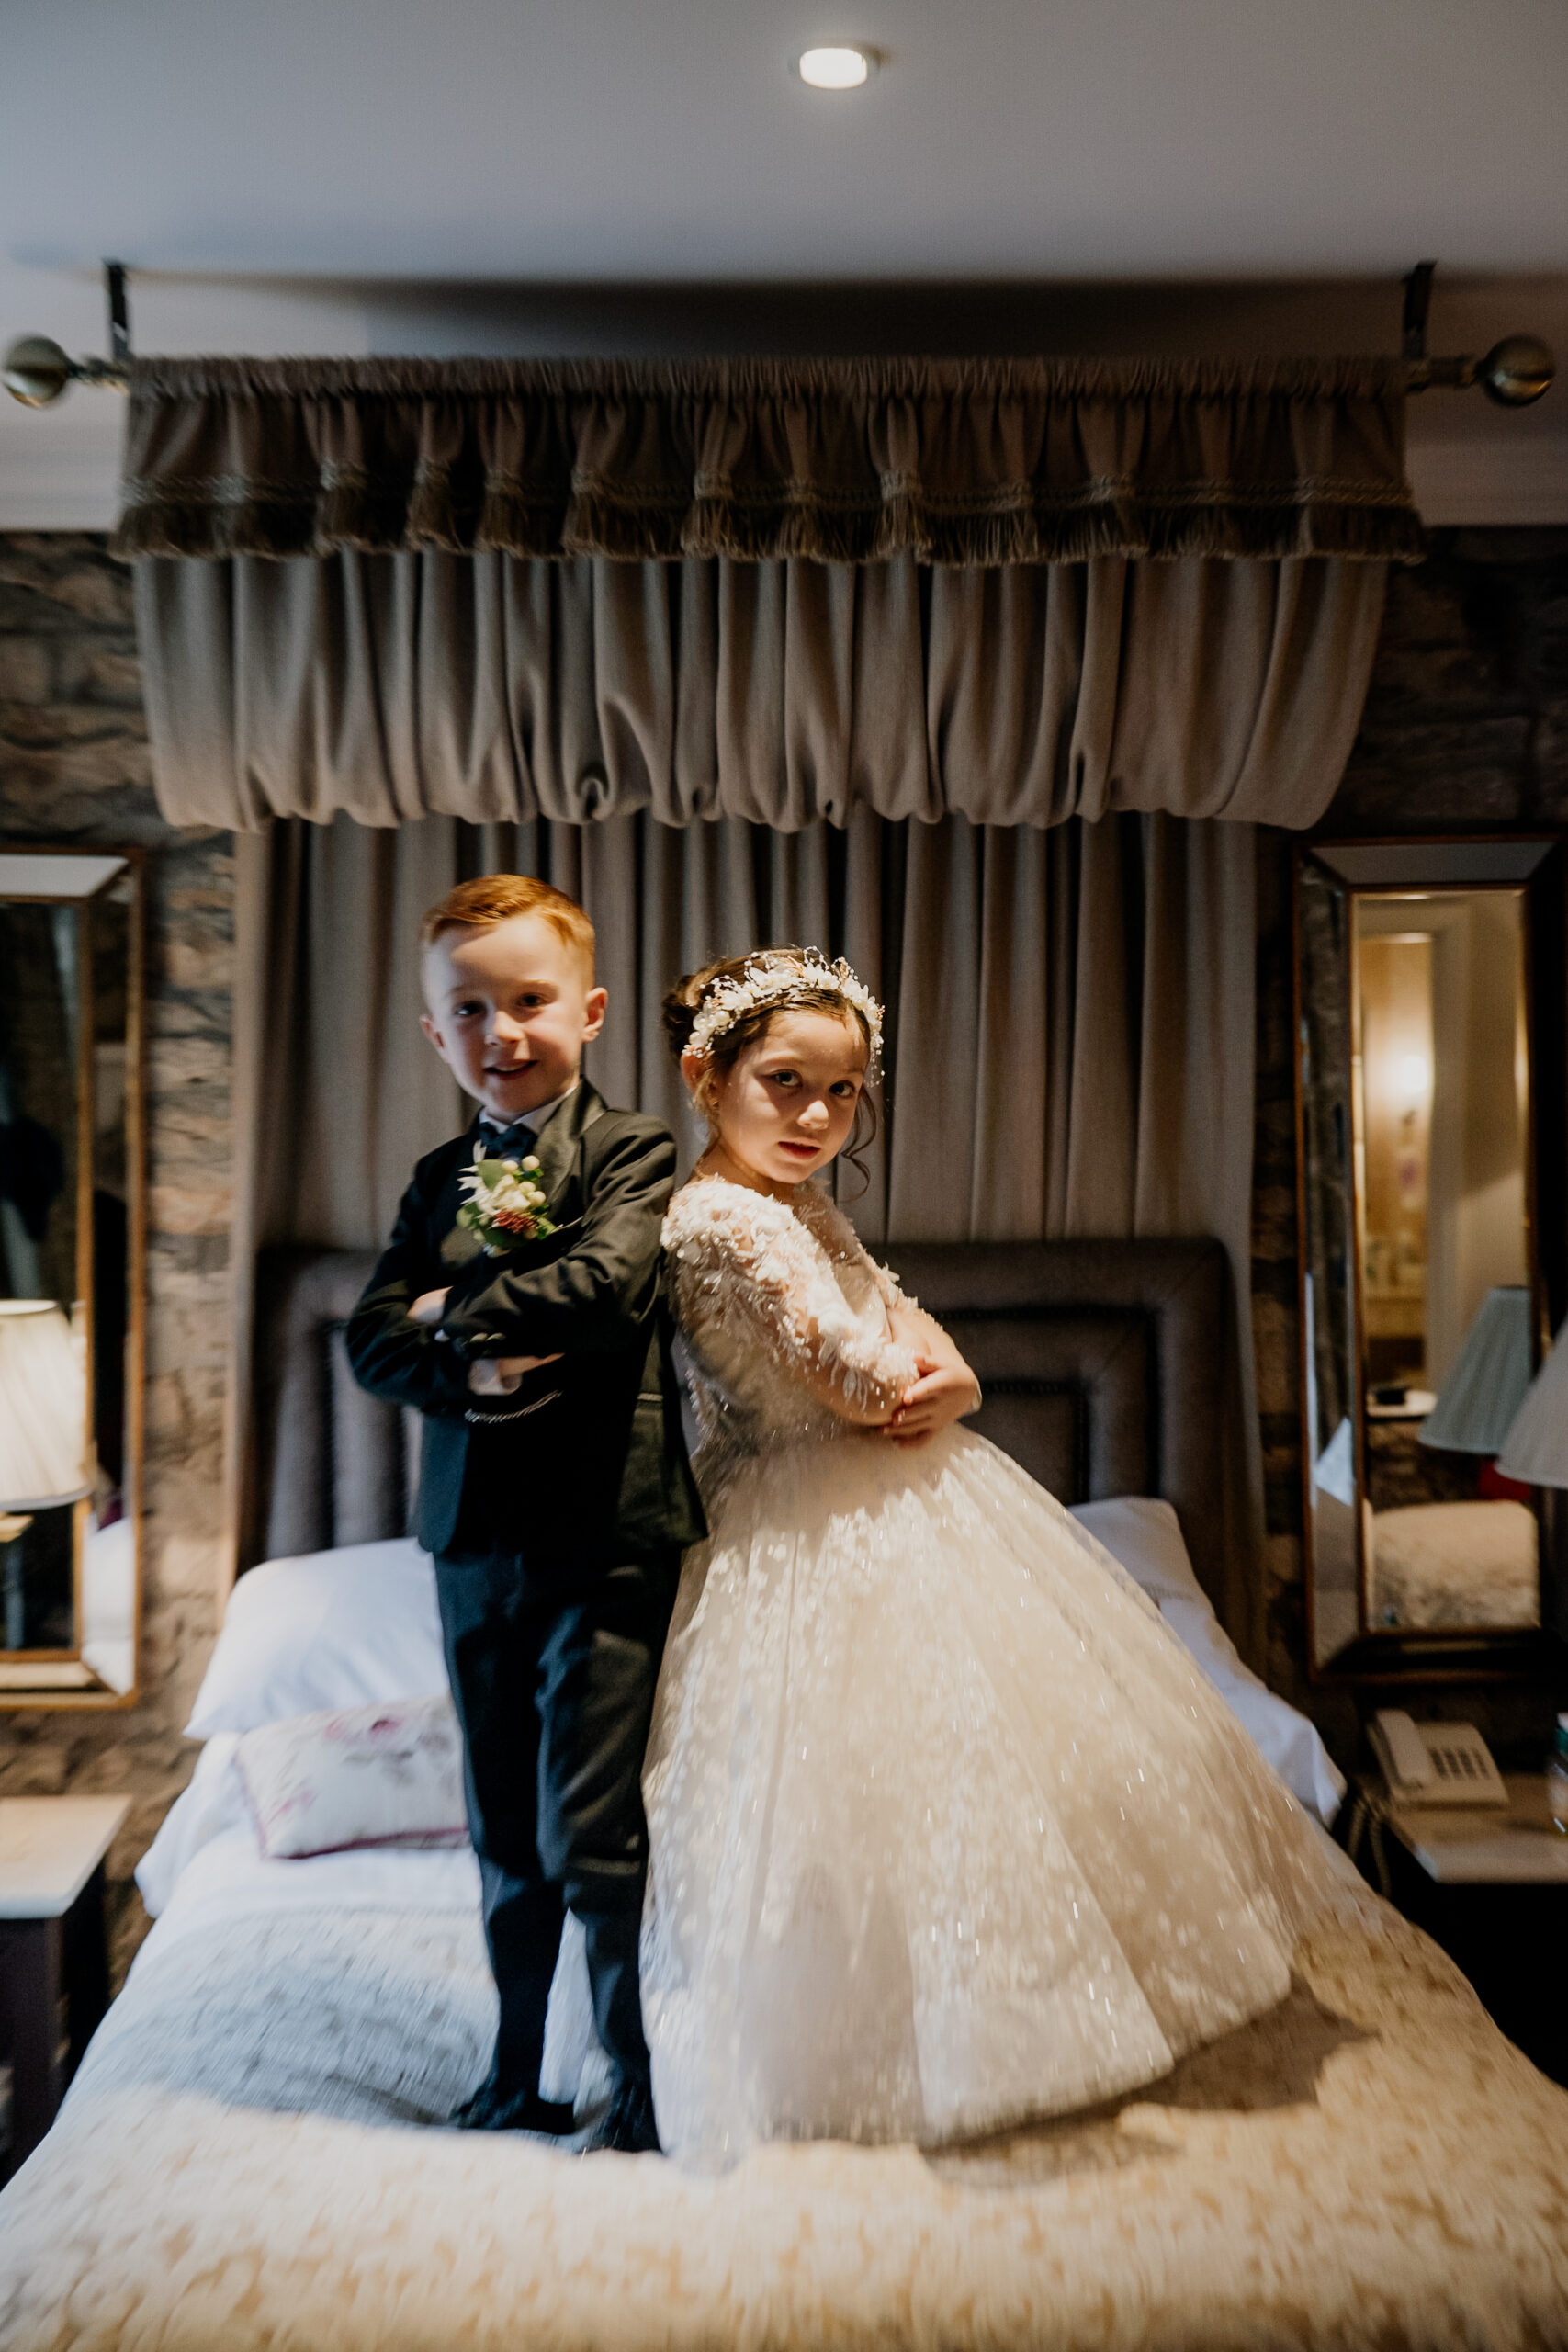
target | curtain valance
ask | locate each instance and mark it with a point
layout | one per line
(966, 462)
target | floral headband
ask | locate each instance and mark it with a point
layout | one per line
(728, 1001)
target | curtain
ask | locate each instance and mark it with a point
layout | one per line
(500, 689)
(1069, 1037)
(1014, 591)
(969, 461)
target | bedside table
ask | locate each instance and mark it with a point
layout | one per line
(1489, 1884)
(54, 1977)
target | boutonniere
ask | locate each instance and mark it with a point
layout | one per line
(505, 1204)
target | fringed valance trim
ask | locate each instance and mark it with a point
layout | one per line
(961, 462)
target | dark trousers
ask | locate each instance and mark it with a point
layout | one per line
(553, 1684)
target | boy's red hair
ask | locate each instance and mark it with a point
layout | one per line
(495, 898)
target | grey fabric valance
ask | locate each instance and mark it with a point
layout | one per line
(498, 689)
(965, 462)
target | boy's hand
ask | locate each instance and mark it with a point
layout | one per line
(492, 1375)
(939, 1397)
(499, 1375)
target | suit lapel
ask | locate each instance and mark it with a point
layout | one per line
(556, 1149)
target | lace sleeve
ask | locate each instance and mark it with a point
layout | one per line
(745, 1262)
(839, 1238)
(823, 1216)
(890, 1289)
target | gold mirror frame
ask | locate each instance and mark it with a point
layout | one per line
(79, 876)
(1538, 867)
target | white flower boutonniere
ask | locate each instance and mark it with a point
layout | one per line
(505, 1204)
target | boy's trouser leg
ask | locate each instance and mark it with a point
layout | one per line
(492, 1628)
(599, 1669)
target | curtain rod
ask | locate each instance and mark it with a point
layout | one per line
(1516, 372)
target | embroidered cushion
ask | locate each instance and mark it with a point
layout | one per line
(389, 1774)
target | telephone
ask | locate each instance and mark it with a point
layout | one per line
(1434, 1763)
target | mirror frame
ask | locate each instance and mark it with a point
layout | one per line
(1379, 863)
(131, 862)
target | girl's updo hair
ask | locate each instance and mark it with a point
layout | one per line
(686, 1001)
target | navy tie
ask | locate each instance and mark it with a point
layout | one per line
(514, 1142)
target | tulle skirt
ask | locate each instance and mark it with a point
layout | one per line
(947, 1829)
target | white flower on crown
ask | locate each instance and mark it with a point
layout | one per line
(774, 982)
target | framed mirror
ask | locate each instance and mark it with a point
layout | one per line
(1431, 1094)
(72, 1217)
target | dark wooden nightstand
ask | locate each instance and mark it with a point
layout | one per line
(1491, 1886)
(54, 1969)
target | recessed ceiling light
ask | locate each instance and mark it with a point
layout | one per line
(836, 69)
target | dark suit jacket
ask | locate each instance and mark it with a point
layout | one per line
(586, 1462)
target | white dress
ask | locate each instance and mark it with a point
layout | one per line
(947, 1830)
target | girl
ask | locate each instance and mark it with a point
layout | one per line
(947, 1831)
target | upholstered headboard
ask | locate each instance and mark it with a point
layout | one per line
(1100, 1362)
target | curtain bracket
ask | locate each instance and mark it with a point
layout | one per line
(37, 372)
(1417, 303)
(1515, 373)
(120, 313)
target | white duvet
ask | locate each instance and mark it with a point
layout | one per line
(348, 1985)
(1370, 2168)
(353, 1984)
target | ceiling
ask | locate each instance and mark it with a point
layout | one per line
(441, 175)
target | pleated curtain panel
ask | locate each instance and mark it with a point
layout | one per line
(982, 673)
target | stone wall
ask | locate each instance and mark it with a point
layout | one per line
(74, 770)
(1465, 731)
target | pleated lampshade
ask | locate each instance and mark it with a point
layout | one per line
(1487, 1385)
(43, 1408)
(1535, 1450)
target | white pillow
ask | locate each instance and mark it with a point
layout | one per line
(332, 1629)
(389, 1774)
(1290, 1741)
(1144, 1533)
(211, 1802)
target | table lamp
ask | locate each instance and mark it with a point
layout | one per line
(1535, 1450)
(1480, 1395)
(44, 1415)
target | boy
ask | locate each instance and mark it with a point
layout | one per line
(554, 1491)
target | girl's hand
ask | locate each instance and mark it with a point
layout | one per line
(941, 1395)
(428, 1307)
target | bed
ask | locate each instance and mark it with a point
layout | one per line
(244, 2157)
(1453, 1565)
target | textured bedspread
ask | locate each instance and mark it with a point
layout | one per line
(1371, 2167)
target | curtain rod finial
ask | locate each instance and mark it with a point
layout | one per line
(35, 372)
(1518, 371)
